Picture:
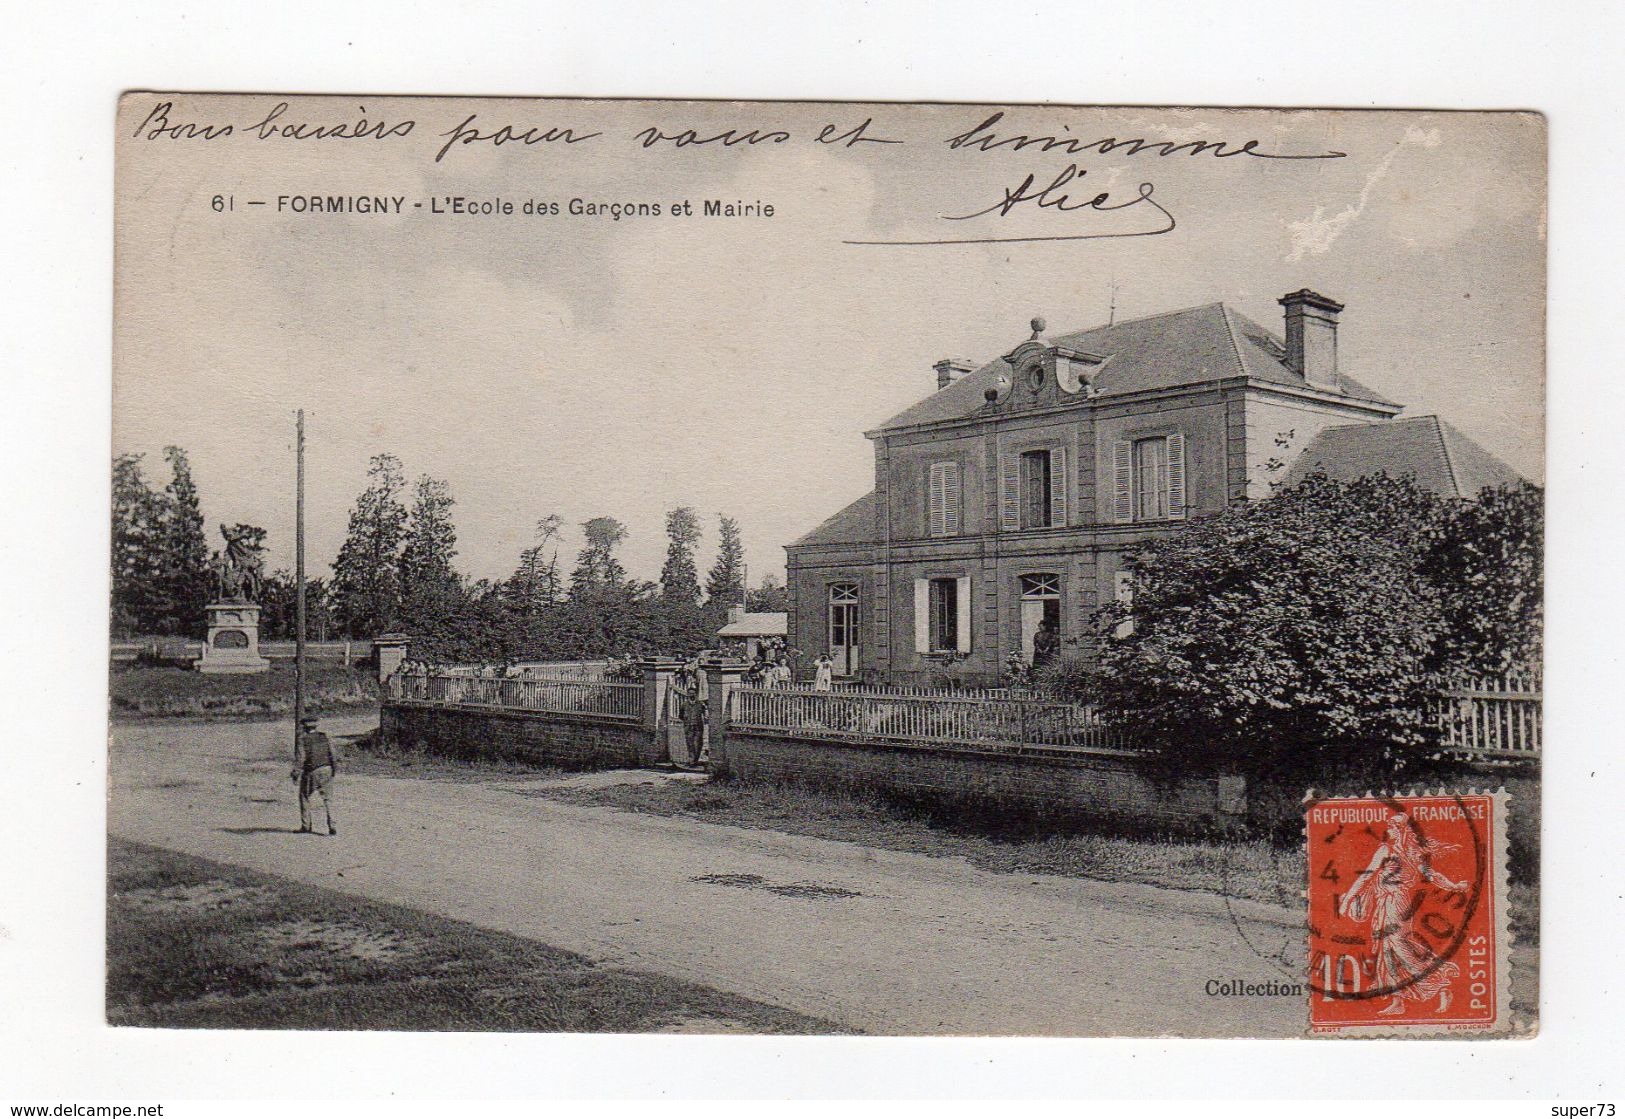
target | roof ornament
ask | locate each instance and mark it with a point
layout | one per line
(1039, 326)
(997, 391)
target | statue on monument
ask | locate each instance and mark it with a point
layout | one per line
(241, 571)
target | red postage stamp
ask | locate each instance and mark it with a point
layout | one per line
(1407, 922)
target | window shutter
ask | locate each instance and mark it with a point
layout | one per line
(935, 518)
(1176, 476)
(1057, 487)
(1009, 493)
(950, 499)
(922, 615)
(1122, 482)
(1125, 594)
(964, 611)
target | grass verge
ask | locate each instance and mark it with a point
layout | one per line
(1252, 869)
(192, 943)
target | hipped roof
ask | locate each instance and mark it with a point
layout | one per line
(1193, 346)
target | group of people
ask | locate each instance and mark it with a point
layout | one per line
(764, 673)
(693, 698)
(411, 679)
(771, 668)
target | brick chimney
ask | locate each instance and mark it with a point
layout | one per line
(1311, 336)
(950, 369)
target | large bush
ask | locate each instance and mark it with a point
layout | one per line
(1321, 621)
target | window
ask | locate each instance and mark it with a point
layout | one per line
(943, 500)
(1035, 484)
(1149, 479)
(1033, 489)
(1040, 586)
(942, 615)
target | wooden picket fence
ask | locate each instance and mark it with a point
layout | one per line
(1485, 719)
(1495, 718)
(1488, 718)
(908, 715)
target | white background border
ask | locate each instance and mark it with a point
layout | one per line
(60, 75)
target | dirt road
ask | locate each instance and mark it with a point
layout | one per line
(881, 941)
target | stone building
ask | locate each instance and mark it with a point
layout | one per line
(749, 635)
(1013, 493)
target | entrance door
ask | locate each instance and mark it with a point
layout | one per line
(1032, 614)
(843, 628)
(1040, 603)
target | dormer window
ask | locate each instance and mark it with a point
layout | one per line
(1075, 370)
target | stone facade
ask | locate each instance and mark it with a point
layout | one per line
(1016, 491)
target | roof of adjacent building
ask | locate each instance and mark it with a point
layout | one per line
(770, 624)
(1440, 458)
(1193, 346)
(853, 525)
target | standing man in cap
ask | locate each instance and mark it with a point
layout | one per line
(314, 763)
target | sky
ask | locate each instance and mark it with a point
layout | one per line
(586, 366)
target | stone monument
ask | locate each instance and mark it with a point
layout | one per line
(233, 642)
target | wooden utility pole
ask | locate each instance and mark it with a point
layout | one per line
(299, 578)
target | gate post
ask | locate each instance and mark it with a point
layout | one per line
(657, 676)
(390, 651)
(720, 678)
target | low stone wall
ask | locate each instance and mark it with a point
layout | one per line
(1046, 788)
(506, 735)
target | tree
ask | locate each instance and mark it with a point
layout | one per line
(770, 597)
(596, 565)
(366, 597)
(185, 581)
(434, 605)
(1279, 631)
(430, 546)
(1488, 561)
(534, 585)
(138, 525)
(725, 585)
(679, 578)
(471, 626)
(279, 603)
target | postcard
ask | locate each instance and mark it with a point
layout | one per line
(826, 568)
